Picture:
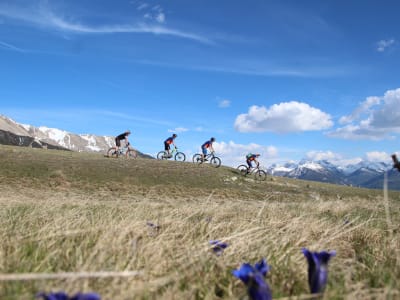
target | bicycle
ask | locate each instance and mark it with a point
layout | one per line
(127, 151)
(178, 156)
(259, 175)
(210, 157)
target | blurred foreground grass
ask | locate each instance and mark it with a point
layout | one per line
(79, 212)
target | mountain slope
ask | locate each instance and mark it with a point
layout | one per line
(13, 133)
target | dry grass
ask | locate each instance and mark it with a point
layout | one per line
(77, 222)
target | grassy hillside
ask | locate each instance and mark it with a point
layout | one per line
(64, 213)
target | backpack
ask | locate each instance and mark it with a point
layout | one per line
(249, 155)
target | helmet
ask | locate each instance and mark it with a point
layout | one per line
(213, 139)
(174, 135)
(258, 154)
(128, 131)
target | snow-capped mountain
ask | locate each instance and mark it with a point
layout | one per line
(363, 174)
(57, 137)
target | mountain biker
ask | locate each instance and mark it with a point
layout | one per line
(119, 138)
(168, 142)
(250, 158)
(205, 146)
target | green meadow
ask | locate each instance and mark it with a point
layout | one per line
(81, 222)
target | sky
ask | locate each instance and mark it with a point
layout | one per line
(287, 79)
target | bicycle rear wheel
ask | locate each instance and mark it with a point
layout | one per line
(260, 175)
(242, 169)
(215, 162)
(197, 158)
(180, 156)
(162, 155)
(111, 152)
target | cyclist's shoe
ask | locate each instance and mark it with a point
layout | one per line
(169, 155)
(205, 159)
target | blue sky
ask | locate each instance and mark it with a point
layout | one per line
(288, 79)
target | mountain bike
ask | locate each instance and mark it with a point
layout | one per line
(126, 151)
(210, 157)
(178, 156)
(259, 175)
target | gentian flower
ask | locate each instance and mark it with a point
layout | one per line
(253, 278)
(64, 296)
(317, 269)
(218, 246)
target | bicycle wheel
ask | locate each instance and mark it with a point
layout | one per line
(162, 155)
(260, 175)
(111, 152)
(197, 158)
(180, 156)
(131, 154)
(215, 162)
(242, 169)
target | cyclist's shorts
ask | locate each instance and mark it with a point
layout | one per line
(117, 142)
(166, 146)
(204, 150)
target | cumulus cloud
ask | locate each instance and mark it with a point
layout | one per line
(382, 45)
(234, 154)
(376, 118)
(377, 156)
(323, 155)
(283, 117)
(224, 103)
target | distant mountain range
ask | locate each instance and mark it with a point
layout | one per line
(364, 174)
(13, 133)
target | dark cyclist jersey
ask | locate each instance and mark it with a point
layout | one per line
(122, 136)
(206, 144)
(169, 140)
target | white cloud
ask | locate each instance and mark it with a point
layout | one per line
(382, 45)
(376, 118)
(234, 154)
(7, 46)
(323, 155)
(224, 103)
(178, 129)
(142, 6)
(283, 117)
(43, 17)
(377, 156)
(362, 109)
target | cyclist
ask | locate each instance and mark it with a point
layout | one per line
(119, 138)
(205, 146)
(168, 142)
(250, 158)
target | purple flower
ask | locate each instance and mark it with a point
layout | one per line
(317, 269)
(64, 296)
(218, 246)
(253, 278)
(53, 296)
(87, 296)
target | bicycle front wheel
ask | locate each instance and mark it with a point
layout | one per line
(260, 175)
(215, 162)
(242, 169)
(131, 154)
(180, 156)
(162, 155)
(111, 152)
(197, 158)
